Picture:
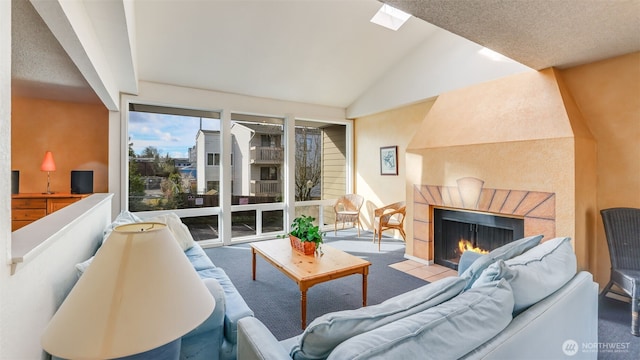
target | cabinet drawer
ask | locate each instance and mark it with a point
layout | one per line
(29, 203)
(28, 214)
(57, 204)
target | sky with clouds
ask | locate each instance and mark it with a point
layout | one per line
(170, 134)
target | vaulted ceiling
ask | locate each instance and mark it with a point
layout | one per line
(318, 52)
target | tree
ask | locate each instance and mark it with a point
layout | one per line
(150, 152)
(136, 182)
(308, 161)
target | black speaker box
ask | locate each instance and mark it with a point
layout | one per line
(15, 181)
(81, 181)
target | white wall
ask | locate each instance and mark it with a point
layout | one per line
(34, 292)
(5, 167)
(422, 74)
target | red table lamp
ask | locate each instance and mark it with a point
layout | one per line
(48, 165)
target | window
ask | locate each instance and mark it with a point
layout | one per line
(269, 173)
(176, 162)
(320, 166)
(169, 151)
(256, 176)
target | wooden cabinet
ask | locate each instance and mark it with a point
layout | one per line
(27, 208)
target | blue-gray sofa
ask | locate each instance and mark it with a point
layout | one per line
(216, 337)
(524, 300)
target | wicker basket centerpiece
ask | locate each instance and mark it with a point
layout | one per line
(305, 237)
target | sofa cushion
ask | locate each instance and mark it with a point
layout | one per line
(327, 331)
(199, 258)
(449, 330)
(504, 252)
(179, 230)
(535, 274)
(125, 217)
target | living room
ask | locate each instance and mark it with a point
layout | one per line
(598, 170)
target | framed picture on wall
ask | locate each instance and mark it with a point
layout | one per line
(389, 160)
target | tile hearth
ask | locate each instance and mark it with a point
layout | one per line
(428, 273)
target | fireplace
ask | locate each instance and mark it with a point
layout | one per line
(456, 231)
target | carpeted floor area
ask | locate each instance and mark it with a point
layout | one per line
(275, 299)
(615, 341)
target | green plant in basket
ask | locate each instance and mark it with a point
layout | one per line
(303, 228)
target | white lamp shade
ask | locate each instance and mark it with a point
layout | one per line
(140, 292)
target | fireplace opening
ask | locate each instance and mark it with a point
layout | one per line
(456, 231)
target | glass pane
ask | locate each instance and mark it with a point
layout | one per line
(202, 227)
(171, 158)
(258, 159)
(243, 223)
(321, 164)
(311, 210)
(272, 221)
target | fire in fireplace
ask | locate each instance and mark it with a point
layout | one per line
(458, 231)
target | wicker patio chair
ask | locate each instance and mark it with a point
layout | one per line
(389, 217)
(347, 209)
(622, 228)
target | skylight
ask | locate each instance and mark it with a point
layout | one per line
(390, 17)
(495, 56)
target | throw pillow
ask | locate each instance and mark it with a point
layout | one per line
(535, 274)
(179, 230)
(447, 331)
(125, 217)
(504, 252)
(327, 331)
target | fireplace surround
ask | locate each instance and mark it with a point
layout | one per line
(535, 208)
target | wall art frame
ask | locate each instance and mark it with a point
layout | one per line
(389, 160)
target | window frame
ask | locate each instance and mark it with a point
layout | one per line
(289, 204)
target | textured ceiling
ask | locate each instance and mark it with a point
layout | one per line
(39, 65)
(322, 52)
(538, 33)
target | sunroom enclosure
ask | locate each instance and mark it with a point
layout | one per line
(258, 170)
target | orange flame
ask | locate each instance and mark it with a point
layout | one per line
(465, 245)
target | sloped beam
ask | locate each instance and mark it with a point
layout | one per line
(71, 24)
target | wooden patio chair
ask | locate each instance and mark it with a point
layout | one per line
(389, 217)
(622, 229)
(347, 209)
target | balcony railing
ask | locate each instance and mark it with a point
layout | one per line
(266, 187)
(266, 155)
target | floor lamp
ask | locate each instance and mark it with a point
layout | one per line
(139, 293)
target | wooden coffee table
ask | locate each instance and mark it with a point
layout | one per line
(309, 270)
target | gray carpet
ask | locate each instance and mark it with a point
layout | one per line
(275, 299)
(615, 341)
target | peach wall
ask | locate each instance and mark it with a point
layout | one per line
(523, 132)
(603, 171)
(76, 133)
(393, 127)
(520, 107)
(547, 168)
(608, 95)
